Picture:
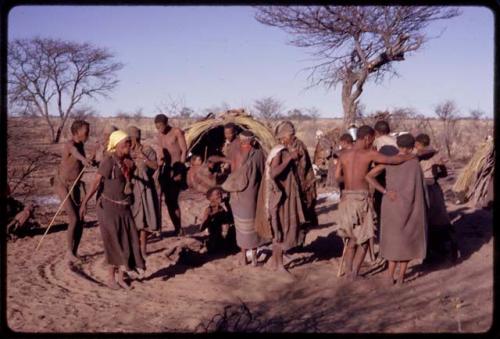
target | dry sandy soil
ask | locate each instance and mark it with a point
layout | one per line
(187, 290)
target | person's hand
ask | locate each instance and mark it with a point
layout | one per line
(83, 211)
(88, 163)
(392, 195)
(294, 155)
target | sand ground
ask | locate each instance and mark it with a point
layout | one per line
(187, 290)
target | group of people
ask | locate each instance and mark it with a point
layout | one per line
(271, 197)
(406, 212)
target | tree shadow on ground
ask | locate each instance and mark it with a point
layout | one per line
(189, 259)
(30, 232)
(473, 229)
(322, 248)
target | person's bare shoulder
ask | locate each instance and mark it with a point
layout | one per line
(177, 131)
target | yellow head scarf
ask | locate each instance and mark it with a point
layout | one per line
(115, 138)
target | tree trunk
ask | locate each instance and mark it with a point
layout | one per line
(57, 136)
(52, 131)
(348, 103)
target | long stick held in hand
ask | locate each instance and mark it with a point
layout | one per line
(341, 270)
(60, 207)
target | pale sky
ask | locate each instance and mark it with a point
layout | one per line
(210, 55)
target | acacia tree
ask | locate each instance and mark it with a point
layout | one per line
(51, 78)
(268, 108)
(353, 44)
(448, 113)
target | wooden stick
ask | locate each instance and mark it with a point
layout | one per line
(340, 271)
(60, 207)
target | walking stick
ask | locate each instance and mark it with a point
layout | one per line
(60, 207)
(340, 271)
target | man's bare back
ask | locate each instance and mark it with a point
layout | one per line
(355, 163)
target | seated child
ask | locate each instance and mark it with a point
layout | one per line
(195, 164)
(216, 219)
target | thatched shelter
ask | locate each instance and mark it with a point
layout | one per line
(475, 182)
(326, 143)
(206, 137)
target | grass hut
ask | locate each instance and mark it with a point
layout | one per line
(475, 182)
(206, 137)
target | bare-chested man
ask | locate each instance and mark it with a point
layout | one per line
(356, 217)
(172, 157)
(72, 163)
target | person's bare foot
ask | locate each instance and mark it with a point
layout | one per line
(388, 281)
(72, 258)
(286, 272)
(242, 261)
(353, 276)
(113, 285)
(141, 273)
(123, 284)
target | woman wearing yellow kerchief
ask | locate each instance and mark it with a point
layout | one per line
(119, 235)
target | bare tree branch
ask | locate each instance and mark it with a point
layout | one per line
(41, 71)
(354, 44)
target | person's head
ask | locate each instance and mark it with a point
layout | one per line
(134, 134)
(214, 195)
(106, 132)
(381, 128)
(196, 160)
(211, 163)
(229, 131)
(346, 140)
(80, 130)
(119, 143)
(246, 139)
(405, 143)
(365, 136)
(161, 123)
(285, 133)
(422, 141)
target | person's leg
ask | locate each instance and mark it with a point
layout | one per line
(73, 219)
(172, 202)
(111, 278)
(390, 271)
(403, 265)
(359, 258)
(120, 279)
(254, 257)
(243, 257)
(274, 256)
(142, 240)
(349, 254)
(313, 217)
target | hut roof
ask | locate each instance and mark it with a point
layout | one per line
(476, 175)
(240, 117)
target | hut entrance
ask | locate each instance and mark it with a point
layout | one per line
(211, 142)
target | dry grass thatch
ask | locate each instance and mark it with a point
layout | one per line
(479, 168)
(239, 117)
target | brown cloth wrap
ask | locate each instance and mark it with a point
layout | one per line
(279, 205)
(403, 234)
(119, 235)
(356, 216)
